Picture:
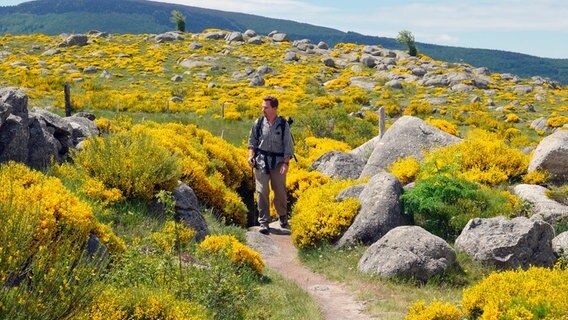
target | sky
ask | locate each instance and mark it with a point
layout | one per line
(535, 27)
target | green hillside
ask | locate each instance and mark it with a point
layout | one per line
(139, 16)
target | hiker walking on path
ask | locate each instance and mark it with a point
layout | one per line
(270, 148)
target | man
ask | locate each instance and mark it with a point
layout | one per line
(270, 149)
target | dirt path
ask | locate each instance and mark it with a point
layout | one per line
(334, 300)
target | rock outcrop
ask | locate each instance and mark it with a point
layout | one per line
(408, 252)
(551, 155)
(337, 164)
(37, 137)
(380, 211)
(408, 136)
(543, 207)
(508, 244)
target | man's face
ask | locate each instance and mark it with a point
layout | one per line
(267, 109)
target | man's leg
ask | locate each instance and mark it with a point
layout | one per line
(278, 184)
(263, 191)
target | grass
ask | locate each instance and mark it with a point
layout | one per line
(388, 299)
(279, 298)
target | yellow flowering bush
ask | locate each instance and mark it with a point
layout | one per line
(25, 188)
(97, 190)
(142, 303)
(392, 109)
(44, 269)
(535, 293)
(536, 177)
(300, 180)
(481, 157)
(557, 121)
(436, 310)
(239, 253)
(319, 146)
(212, 167)
(325, 102)
(417, 108)
(318, 217)
(511, 117)
(405, 169)
(173, 236)
(444, 125)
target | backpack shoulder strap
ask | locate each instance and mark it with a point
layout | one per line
(258, 127)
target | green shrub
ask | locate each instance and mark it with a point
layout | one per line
(223, 287)
(444, 205)
(130, 162)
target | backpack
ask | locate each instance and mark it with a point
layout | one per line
(281, 123)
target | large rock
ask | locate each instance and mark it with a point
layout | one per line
(39, 137)
(551, 155)
(5, 112)
(187, 210)
(42, 145)
(337, 164)
(365, 150)
(169, 36)
(280, 37)
(508, 244)
(408, 136)
(75, 40)
(408, 252)
(542, 206)
(14, 132)
(256, 81)
(350, 192)
(379, 213)
(234, 36)
(453, 78)
(82, 128)
(17, 100)
(60, 128)
(214, 35)
(560, 244)
(14, 138)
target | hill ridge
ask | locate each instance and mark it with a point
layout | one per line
(142, 16)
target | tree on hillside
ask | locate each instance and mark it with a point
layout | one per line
(179, 19)
(406, 37)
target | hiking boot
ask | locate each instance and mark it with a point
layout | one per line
(264, 229)
(284, 223)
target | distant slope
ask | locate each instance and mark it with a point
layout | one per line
(140, 16)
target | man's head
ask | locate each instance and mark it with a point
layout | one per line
(269, 107)
(272, 100)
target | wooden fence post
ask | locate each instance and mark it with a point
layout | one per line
(382, 120)
(68, 106)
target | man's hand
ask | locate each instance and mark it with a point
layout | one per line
(284, 168)
(251, 161)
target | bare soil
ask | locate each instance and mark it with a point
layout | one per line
(336, 302)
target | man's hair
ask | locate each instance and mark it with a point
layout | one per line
(273, 101)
